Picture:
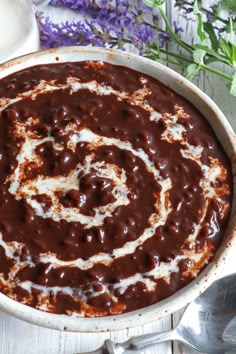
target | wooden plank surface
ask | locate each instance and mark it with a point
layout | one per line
(22, 338)
(19, 337)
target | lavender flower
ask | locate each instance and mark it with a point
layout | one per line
(177, 28)
(109, 23)
(163, 37)
(209, 17)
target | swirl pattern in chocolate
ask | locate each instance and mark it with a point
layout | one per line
(114, 193)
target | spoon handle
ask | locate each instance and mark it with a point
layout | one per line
(139, 342)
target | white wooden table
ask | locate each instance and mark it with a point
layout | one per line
(22, 338)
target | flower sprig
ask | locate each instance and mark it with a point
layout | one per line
(105, 23)
(212, 46)
(135, 25)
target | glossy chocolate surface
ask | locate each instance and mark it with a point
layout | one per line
(114, 191)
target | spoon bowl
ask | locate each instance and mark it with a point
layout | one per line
(208, 321)
(208, 324)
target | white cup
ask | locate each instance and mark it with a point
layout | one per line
(18, 28)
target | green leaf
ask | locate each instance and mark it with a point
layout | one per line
(198, 56)
(209, 29)
(200, 28)
(192, 71)
(233, 86)
(225, 47)
(233, 54)
(229, 49)
(213, 53)
(229, 5)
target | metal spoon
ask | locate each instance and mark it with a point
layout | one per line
(208, 324)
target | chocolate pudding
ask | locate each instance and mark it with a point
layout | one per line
(114, 193)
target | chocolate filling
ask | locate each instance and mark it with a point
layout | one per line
(114, 191)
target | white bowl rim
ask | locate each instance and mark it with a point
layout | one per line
(225, 251)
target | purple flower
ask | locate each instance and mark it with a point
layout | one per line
(163, 37)
(209, 17)
(177, 28)
(109, 23)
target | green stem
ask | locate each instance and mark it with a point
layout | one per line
(168, 61)
(214, 15)
(203, 66)
(177, 56)
(158, 29)
(216, 72)
(173, 34)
